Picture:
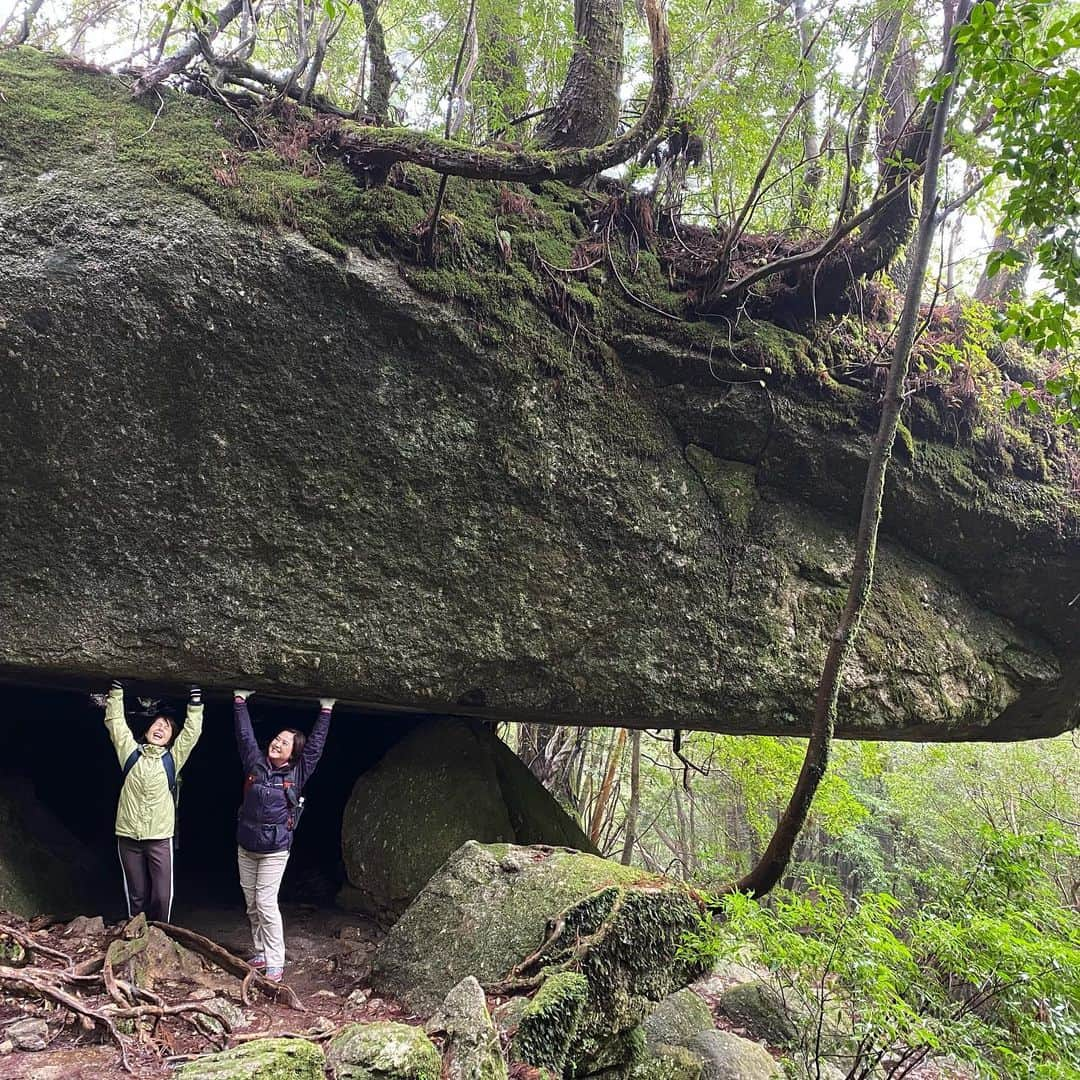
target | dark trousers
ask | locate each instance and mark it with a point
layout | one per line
(148, 876)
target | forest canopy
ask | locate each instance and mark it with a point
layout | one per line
(774, 150)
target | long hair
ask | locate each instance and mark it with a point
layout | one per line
(298, 740)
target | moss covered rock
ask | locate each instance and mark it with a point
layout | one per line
(42, 865)
(497, 516)
(725, 1056)
(549, 1022)
(677, 1018)
(382, 1051)
(490, 907)
(446, 782)
(759, 1009)
(666, 1063)
(263, 1059)
(473, 1050)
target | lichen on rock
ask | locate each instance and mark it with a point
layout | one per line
(261, 1059)
(517, 916)
(382, 1051)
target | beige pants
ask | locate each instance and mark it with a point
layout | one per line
(260, 878)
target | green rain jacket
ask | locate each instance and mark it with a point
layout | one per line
(146, 810)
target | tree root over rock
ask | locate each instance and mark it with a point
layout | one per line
(95, 994)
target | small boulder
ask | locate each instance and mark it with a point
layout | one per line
(472, 1043)
(85, 926)
(724, 1056)
(662, 1063)
(759, 1008)
(382, 1051)
(226, 1016)
(263, 1059)
(677, 1019)
(30, 1034)
(43, 867)
(445, 782)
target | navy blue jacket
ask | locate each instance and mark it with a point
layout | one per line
(266, 817)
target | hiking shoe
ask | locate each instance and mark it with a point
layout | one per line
(258, 962)
(275, 974)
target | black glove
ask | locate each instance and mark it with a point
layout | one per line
(195, 696)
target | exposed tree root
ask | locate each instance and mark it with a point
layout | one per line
(31, 946)
(225, 960)
(532, 971)
(97, 996)
(28, 980)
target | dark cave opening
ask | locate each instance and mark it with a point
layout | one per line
(55, 743)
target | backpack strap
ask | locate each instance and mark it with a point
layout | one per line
(167, 760)
(170, 770)
(130, 763)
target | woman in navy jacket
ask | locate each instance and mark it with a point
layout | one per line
(267, 818)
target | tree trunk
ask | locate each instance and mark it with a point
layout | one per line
(587, 112)
(377, 104)
(770, 869)
(886, 35)
(23, 33)
(501, 68)
(191, 48)
(635, 799)
(375, 150)
(811, 144)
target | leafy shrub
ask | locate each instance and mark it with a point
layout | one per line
(986, 969)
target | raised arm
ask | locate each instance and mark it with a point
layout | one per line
(122, 739)
(245, 735)
(192, 729)
(316, 741)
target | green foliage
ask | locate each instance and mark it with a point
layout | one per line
(985, 967)
(1023, 61)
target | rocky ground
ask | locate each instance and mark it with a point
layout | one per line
(328, 961)
(329, 965)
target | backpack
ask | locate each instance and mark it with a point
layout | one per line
(293, 797)
(169, 765)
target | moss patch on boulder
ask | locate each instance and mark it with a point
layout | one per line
(262, 1059)
(491, 907)
(383, 1051)
(550, 1021)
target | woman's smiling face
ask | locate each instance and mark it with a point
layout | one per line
(281, 748)
(159, 733)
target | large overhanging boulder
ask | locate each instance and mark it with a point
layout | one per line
(227, 454)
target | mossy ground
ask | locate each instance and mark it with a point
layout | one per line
(502, 255)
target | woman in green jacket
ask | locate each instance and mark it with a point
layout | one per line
(146, 814)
